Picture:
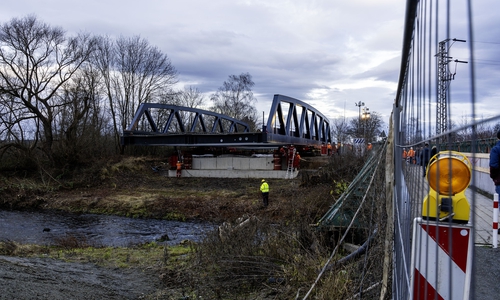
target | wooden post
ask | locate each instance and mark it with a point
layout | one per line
(389, 191)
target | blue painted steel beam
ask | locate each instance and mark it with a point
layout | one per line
(311, 128)
(290, 121)
(185, 126)
(175, 113)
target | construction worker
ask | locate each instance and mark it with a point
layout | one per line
(282, 151)
(291, 152)
(405, 154)
(264, 189)
(296, 161)
(179, 168)
(425, 157)
(329, 147)
(411, 156)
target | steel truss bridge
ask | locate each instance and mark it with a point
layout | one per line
(290, 121)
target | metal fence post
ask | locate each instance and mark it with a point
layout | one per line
(494, 240)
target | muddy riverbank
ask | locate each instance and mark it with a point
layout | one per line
(46, 278)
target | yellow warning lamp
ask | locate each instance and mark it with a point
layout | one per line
(449, 175)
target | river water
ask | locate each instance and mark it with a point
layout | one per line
(46, 228)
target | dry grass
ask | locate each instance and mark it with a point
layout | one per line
(275, 255)
(72, 249)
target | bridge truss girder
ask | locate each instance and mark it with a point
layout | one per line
(292, 121)
(300, 124)
(186, 119)
(183, 126)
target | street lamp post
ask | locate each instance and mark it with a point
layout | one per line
(359, 104)
(366, 116)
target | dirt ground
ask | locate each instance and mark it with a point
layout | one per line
(39, 278)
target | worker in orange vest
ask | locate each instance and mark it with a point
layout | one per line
(329, 147)
(179, 168)
(296, 161)
(405, 154)
(411, 156)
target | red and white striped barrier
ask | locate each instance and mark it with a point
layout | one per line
(494, 240)
(440, 260)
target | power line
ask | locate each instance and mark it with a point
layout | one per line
(483, 61)
(482, 42)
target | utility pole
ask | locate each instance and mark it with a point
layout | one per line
(443, 78)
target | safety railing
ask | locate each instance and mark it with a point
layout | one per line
(434, 208)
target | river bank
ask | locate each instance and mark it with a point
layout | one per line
(133, 188)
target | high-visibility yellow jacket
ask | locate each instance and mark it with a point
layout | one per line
(264, 187)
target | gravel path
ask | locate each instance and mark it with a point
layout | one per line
(486, 284)
(39, 278)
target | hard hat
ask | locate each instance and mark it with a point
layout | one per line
(263, 180)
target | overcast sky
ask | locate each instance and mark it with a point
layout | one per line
(329, 54)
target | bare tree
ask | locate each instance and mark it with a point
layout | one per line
(235, 99)
(104, 60)
(482, 130)
(413, 131)
(369, 128)
(81, 125)
(191, 97)
(35, 61)
(340, 130)
(143, 71)
(134, 72)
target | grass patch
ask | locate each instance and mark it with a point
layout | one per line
(141, 256)
(174, 216)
